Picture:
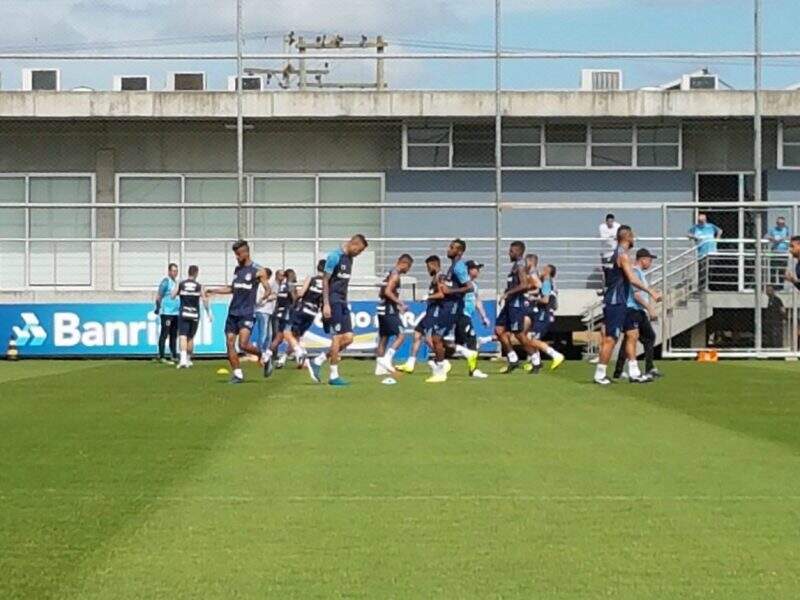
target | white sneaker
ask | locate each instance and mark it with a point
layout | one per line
(189, 365)
(380, 370)
(386, 364)
(603, 381)
(182, 366)
(641, 379)
(478, 374)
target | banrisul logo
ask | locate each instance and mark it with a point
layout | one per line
(32, 333)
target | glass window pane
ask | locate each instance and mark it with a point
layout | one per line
(791, 133)
(61, 222)
(612, 156)
(658, 156)
(61, 189)
(473, 145)
(429, 156)
(150, 223)
(791, 156)
(342, 223)
(566, 155)
(612, 135)
(522, 156)
(428, 134)
(658, 135)
(149, 190)
(522, 134)
(212, 258)
(562, 134)
(211, 223)
(12, 265)
(217, 190)
(284, 222)
(61, 263)
(143, 264)
(349, 189)
(12, 222)
(12, 189)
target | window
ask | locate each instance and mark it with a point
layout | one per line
(789, 146)
(612, 146)
(473, 145)
(658, 146)
(12, 233)
(522, 145)
(428, 146)
(565, 145)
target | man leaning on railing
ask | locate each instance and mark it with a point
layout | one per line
(778, 237)
(705, 236)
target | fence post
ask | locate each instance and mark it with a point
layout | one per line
(794, 342)
(757, 160)
(664, 281)
(498, 148)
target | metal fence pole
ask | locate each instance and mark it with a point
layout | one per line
(498, 148)
(240, 216)
(794, 342)
(664, 281)
(757, 160)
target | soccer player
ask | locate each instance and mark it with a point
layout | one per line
(189, 291)
(167, 308)
(335, 311)
(794, 250)
(453, 286)
(640, 303)
(541, 316)
(424, 329)
(287, 295)
(390, 320)
(472, 305)
(620, 277)
(241, 311)
(308, 306)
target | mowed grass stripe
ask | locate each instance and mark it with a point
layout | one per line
(531, 436)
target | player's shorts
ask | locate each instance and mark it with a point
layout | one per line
(512, 318)
(541, 325)
(446, 318)
(234, 324)
(301, 322)
(187, 328)
(339, 322)
(465, 331)
(614, 318)
(633, 319)
(390, 325)
(425, 324)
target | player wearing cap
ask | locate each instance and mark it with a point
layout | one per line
(619, 279)
(644, 313)
(390, 316)
(424, 328)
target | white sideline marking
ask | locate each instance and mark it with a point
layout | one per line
(413, 498)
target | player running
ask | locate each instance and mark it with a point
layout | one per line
(453, 287)
(335, 311)
(473, 305)
(424, 329)
(305, 311)
(287, 295)
(794, 251)
(619, 279)
(541, 316)
(390, 316)
(241, 311)
(189, 291)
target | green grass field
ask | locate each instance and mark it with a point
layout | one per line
(133, 480)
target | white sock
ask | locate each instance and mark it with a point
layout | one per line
(600, 371)
(334, 371)
(238, 374)
(512, 357)
(536, 359)
(412, 360)
(550, 352)
(267, 354)
(464, 350)
(184, 357)
(390, 354)
(320, 359)
(439, 368)
(633, 369)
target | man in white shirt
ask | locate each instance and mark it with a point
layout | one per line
(265, 309)
(608, 237)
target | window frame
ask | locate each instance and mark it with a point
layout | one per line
(781, 147)
(405, 145)
(543, 166)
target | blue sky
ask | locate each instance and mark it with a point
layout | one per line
(409, 26)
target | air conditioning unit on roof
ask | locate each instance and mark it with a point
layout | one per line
(41, 80)
(252, 83)
(131, 83)
(186, 81)
(601, 80)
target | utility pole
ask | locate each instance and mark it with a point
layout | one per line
(498, 144)
(240, 198)
(758, 192)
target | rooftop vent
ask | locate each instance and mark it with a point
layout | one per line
(251, 83)
(44, 80)
(131, 83)
(186, 82)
